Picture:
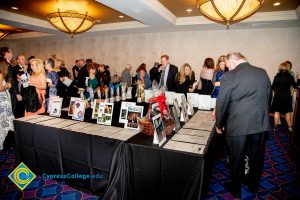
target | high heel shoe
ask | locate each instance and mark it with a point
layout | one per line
(290, 128)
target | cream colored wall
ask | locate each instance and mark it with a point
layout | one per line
(263, 47)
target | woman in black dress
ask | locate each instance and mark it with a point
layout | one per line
(282, 99)
(184, 79)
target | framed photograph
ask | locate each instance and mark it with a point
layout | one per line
(159, 130)
(71, 105)
(184, 117)
(79, 110)
(105, 113)
(124, 110)
(133, 115)
(96, 108)
(55, 109)
(176, 105)
(176, 119)
(179, 97)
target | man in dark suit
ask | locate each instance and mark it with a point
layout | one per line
(15, 96)
(75, 70)
(82, 74)
(242, 109)
(168, 73)
(20, 69)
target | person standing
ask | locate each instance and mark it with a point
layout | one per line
(6, 114)
(20, 69)
(82, 75)
(75, 70)
(126, 77)
(206, 75)
(282, 100)
(168, 74)
(185, 79)
(39, 81)
(52, 80)
(243, 109)
(154, 73)
(143, 76)
(220, 70)
(15, 96)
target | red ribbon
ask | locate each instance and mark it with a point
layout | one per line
(161, 99)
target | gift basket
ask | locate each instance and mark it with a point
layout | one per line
(146, 124)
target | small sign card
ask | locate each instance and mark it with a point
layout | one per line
(133, 115)
(159, 130)
(79, 110)
(124, 110)
(55, 109)
(105, 113)
(71, 105)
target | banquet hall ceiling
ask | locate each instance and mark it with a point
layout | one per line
(138, 15)
(179, 7)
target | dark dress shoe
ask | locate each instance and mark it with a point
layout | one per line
(252, 187)
(236, 193)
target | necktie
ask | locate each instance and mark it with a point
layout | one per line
(162, 78)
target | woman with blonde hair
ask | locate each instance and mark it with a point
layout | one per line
(6, 114)
(184, 79)
(282, 99)
(39, 81)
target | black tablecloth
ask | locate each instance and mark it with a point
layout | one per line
(135, 169)
(166, 174)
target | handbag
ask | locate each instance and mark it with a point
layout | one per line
(31, 99)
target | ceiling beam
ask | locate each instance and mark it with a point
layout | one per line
(26, 22)
(148, 12)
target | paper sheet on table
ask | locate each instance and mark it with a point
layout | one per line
(185, 147)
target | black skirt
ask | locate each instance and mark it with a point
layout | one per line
(282, 103)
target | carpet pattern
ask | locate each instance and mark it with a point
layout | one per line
(281, 177)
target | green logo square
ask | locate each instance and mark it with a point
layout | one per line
(21, 176)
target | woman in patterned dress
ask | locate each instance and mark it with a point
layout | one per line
(6, 114)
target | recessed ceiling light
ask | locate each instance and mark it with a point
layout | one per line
(121, 16)
(19, 30)
(14, 8)
(189, 10)
(276, 4)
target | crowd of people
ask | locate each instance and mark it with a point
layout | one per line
(243, 95)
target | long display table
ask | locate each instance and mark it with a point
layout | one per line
(130, 166)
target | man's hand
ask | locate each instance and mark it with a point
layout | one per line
(219, 130)
(213, 115)
(19, 97)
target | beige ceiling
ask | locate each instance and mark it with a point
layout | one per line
(12, 29)
(179, 7)
(40, 8)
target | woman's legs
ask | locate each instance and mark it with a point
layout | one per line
(288, 120)
(276, 120)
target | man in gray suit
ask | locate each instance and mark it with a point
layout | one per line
(242, 109)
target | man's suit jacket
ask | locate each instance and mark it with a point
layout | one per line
(243, 101)
(173, 70)
(83, 73)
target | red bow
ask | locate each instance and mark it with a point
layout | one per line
(161, 99)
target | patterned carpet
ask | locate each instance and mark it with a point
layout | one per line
(281, 177)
